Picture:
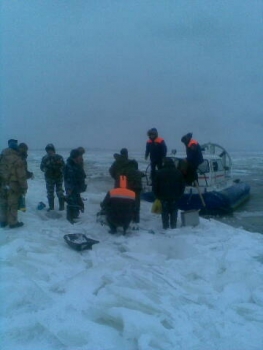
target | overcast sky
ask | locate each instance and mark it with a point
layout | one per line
(100, 73)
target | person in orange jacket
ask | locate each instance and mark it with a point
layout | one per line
(194, 158)
(156, 148)
(119, 206)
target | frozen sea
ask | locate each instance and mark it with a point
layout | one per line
(190, 289)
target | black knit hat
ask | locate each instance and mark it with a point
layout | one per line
(186, 138)
(124, 152)
(152, 131)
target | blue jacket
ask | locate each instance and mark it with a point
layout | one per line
(194, 154)
(74, 177)
(157, 149)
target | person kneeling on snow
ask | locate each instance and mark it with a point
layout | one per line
(74, 179)
(119, 206)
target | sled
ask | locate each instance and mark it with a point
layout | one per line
(79, 241)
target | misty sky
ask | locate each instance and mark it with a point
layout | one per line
(101, 73)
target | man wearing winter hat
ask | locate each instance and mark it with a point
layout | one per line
(120, 163)
(13, 184)
(52, 165)
(194, 157)
(74, 179)
(156, 148)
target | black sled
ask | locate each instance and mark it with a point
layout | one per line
(79, 241)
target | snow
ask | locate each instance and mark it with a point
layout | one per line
(195, 288)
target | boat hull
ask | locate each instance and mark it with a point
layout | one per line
(216, 202)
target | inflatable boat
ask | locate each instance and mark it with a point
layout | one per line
(216, 192)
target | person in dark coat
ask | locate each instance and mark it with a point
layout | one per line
(74, 181)
(156, 148)
(52, 165)
(168, 187)
(194, 158)
(119, 165)
(119, 205)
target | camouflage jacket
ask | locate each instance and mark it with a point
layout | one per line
(12, 169)
(52, 166)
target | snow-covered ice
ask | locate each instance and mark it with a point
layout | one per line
(191, 288)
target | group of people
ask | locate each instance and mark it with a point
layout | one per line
(14, 175)
(121, 205)
(73, 175)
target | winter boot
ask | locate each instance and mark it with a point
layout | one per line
(70, 216)
(61, 204)
(51, 204)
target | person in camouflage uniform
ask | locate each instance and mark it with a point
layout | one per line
(128, 167)
(52, 165)
(13, 184)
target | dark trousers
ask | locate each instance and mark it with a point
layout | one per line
(75, 205)
(136, 218)
(155, 165)
(113, 226)
(169, 213)
(191, 175)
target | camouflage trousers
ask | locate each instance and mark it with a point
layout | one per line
(53, 185)
(9, 204)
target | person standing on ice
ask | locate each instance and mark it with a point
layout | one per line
(74, 179)
(194, 158)
(13, 184)
(156, 148)
(81, 151)
(119, 206)
(52, 165)
(168, 187)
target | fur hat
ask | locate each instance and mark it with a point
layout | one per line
(23, 146)
(75, 153)
(81, 150)
(50, 147)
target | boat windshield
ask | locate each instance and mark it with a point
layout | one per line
(203, 167)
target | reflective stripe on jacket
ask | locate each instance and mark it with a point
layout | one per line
(122, 191)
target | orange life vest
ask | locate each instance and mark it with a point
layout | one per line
(192, 142)
(157, 140)
(122, 191)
